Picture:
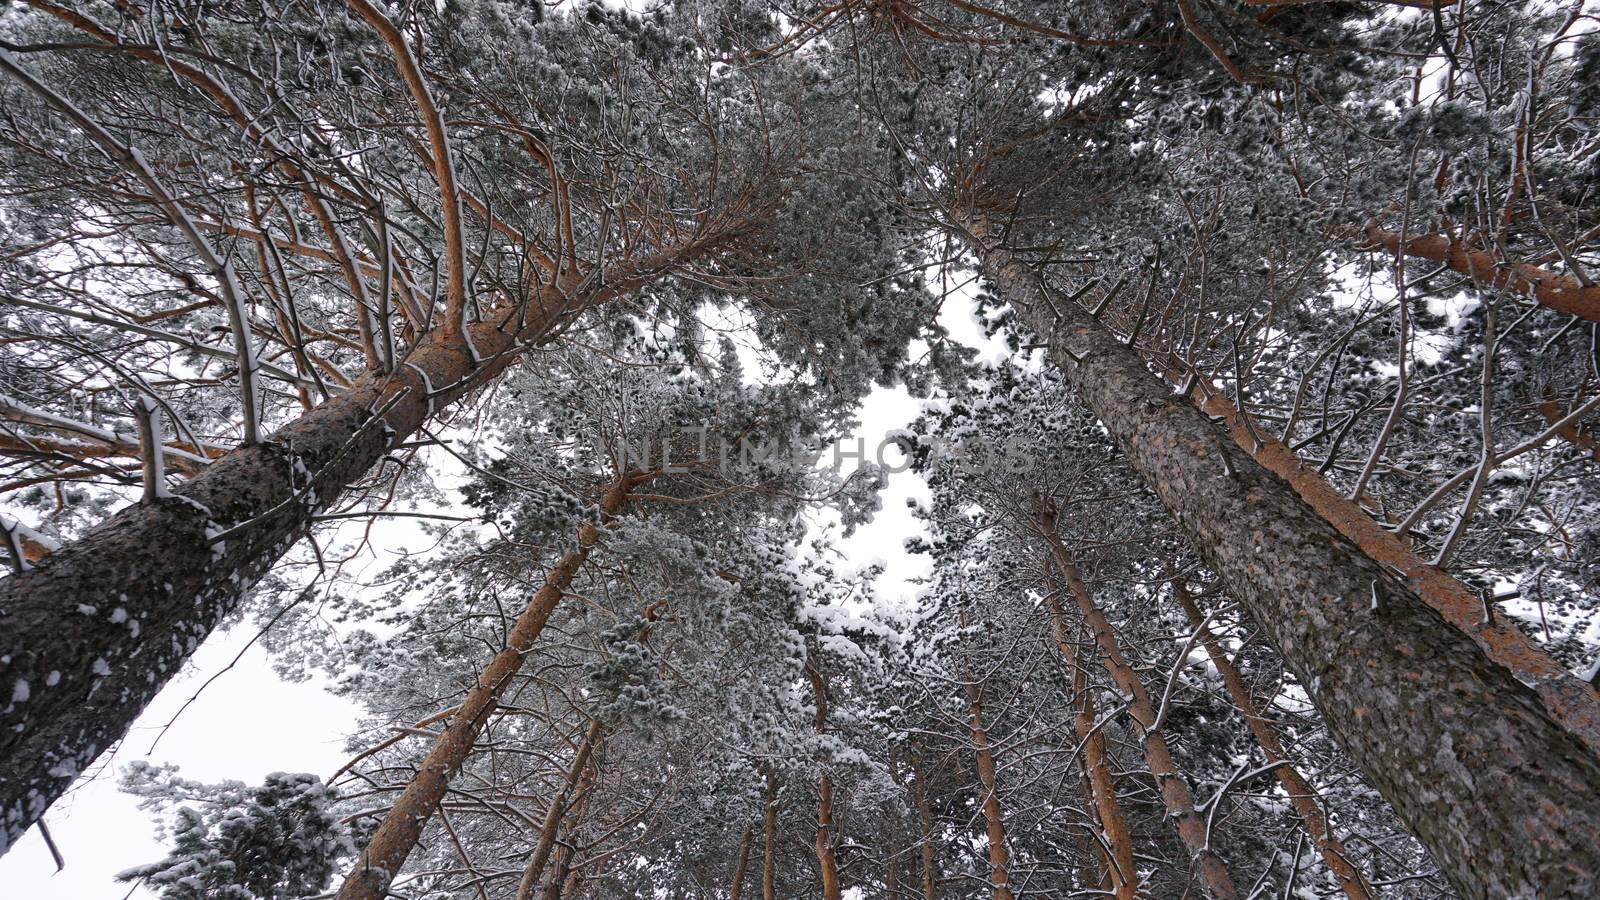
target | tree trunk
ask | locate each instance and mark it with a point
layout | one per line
(98, 627)
(827, 861)
(993, 817)
(386, 852)
(1302, 797)
(769, 836)
(540, 857)
(1121, 874)
(891, 871)
(1574, 704)
(930, 853)
(1170, 783)
(1498, 791)
(741, 863)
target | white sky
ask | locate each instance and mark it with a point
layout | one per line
(249, 723)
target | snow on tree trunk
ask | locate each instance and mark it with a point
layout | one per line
(95, 629)
(1481, 772)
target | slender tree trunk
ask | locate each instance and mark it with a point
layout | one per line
(1122, 875)
(826, 859)
(386, 852)
(930, 852)
(993, 817)
(769, 837)
(891, 871)
(556, 809)
(1170, 783)
(1302, 797)
(741, 863)
(1575, 704)
(1498, 791)
(98, 627)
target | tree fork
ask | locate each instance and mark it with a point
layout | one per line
(95, 629)
(1497, 789)
(557, 807)
(1302, 797)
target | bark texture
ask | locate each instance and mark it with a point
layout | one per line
(930, 851)
(769, 837)
(97, 628)
(741, 863)
(1500, 793)
(397, 834)
(827, 861)
(555, 809)
(1302, 797)
(994, 823)
(1572, 702)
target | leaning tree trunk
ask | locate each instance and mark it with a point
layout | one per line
(1302, 797)
(1172, 787)
(1497, 790)
(1573, 703)
(993, 817)
(556, 809)
(90, 635)
(1115, 840)
(1552, 290)
(397, 834)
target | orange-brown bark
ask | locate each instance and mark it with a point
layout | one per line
(827, 861)
(1302, 797)
(769, 833)
(1575, 704)
(1572, 433)
(556, 809)
(741, 863)
(1562, 293)
(993, 817)
(386, 852)
(1121, 878)
(1170, 783)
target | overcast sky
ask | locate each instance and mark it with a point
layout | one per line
(249, 723)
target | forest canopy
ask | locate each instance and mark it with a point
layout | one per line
(1250, 354)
